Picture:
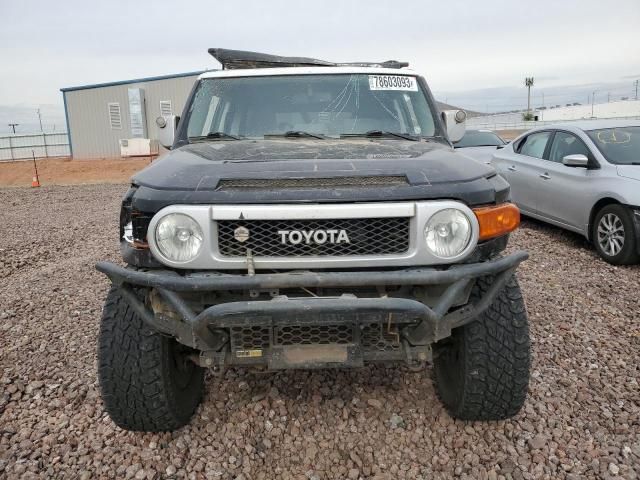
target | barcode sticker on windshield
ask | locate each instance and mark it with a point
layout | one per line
(392, 82)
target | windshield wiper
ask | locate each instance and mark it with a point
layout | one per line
(295, 134)
(214, 136)
(382, 134)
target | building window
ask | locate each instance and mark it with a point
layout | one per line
(165, 108)
(115, 117)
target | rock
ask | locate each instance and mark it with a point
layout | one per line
(538, 442)
(396, 421)
(311, 475)
(310, 453)
(375, 403)
(614, 469)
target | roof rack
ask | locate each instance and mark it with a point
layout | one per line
(239, 59)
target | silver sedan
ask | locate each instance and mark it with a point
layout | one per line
(583, 176)
(479, 144)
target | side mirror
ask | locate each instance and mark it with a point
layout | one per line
(455, 122)
(576, 160)
(167, 127)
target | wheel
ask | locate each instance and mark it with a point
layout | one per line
(614, 235)
(146, 380)
(481, 372)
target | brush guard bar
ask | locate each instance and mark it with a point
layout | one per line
(204, 331)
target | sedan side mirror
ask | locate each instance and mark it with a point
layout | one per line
(576, 160)
(167, 127)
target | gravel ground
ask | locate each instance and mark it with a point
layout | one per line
(581, 419)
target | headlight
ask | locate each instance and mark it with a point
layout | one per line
(448, 233)
(178, 237)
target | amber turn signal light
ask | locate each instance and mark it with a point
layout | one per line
(498, 220)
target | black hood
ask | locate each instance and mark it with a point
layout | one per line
(197, 173)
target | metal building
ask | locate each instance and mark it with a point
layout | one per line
(117, 119)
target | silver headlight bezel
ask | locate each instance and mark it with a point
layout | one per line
(472, 241)
(210, 258)
(158, 248)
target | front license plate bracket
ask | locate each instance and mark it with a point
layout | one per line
(316, 356)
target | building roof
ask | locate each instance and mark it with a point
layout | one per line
(135, 80)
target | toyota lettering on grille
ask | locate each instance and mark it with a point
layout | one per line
(318, 237)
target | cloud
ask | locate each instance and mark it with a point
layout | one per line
(456, 45)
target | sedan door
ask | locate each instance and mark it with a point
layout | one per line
(565, 196)
(522, 169)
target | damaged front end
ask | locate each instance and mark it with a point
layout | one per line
(393, 315)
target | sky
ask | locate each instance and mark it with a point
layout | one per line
(476, 52)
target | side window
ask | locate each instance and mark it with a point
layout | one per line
(566, 144)
(534, 145)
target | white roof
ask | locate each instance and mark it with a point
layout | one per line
(269, 72)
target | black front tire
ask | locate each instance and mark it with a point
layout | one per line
(481, 372)
(628, 254)
(146, 380)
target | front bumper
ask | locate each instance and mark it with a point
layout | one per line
(207, 331)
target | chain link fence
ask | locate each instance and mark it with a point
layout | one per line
(42, 145)
(489, 124)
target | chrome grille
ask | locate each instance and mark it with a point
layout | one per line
(367, 236)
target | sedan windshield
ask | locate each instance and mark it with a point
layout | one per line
(620, 146)
(479, 138)
(310, 106)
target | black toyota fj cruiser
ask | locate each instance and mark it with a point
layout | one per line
(312, 215)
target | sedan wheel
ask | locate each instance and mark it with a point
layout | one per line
(614, 235)
(611, 234)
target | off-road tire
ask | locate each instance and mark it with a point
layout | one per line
(628, 255)
(147, 383)
(481, 372)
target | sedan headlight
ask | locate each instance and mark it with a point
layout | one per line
(178, 237)
(448, 233)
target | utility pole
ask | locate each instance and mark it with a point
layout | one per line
(636, 84)
(528, 82)
(40, 119)
(593, 96)
(13, 126)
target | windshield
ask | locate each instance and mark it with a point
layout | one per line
(477, 138)
(618, 145)
(310, 106)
